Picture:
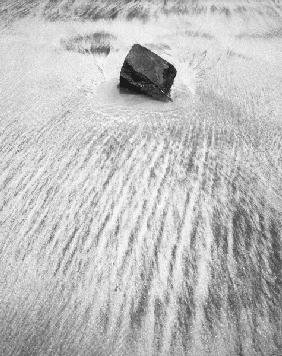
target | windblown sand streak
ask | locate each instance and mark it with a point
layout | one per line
(137, 229)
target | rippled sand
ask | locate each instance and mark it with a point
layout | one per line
(132, 227)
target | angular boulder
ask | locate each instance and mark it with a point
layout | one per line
(145, 72)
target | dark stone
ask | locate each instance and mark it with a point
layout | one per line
(145, 72)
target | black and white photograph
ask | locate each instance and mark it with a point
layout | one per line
(140, 177)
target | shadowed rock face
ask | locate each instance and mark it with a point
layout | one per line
(145, 72)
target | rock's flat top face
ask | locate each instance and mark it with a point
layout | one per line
(150, 64)
(147, 72)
